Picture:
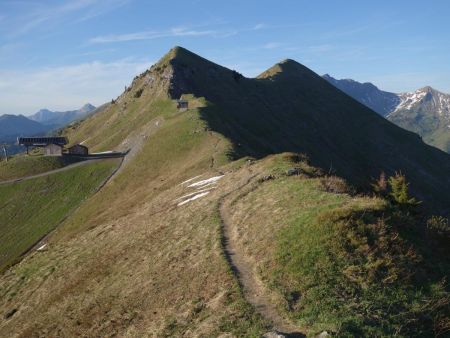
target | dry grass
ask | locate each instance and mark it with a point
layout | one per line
(132, 263)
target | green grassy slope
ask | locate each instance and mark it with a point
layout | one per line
(350, 265)
(431, 127)
(439, 138)
(22, 166)
(31, 209)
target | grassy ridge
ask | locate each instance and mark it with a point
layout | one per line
(21, 166)
(343, 267)
(346, 264)
(30, 209)
(169, 259)
(178, 148)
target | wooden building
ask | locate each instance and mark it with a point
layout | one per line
(53, 145)
(53, 150)
(78, 149)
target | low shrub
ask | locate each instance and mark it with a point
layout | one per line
(439, 225)
(334, 185)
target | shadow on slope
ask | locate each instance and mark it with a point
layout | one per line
(289, 108)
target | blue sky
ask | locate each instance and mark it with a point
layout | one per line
(62, 54)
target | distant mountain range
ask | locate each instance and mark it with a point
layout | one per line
(12, 126)
(40, 123)
(425, 111)
(55, 118)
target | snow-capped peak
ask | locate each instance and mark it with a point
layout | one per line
(408, 100)
(436, 100)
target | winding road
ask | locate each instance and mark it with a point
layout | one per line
(51, 172)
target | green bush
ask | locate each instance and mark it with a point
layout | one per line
(400, 190)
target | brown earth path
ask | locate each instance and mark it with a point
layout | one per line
(254, 290)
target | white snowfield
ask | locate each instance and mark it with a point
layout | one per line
(202, 188)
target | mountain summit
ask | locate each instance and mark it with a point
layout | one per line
(286, 108)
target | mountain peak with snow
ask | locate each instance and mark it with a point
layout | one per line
(425, 99)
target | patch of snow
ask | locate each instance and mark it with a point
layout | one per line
(194, 193)
(83, 141)
(194, 198)
(42, 247)
(444, 105)
(440, 102)
(408, 100)
(207, 182)
(103, 152)
(191, 179)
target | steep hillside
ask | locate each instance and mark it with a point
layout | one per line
(200, 202)
(32, 208)
(153, 268)
(368, 94)
(22, 166)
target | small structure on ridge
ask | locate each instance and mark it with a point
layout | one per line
(78, 149)
(53, 150)
(182, 104)
(53, 146)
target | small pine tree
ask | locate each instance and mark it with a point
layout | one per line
(399, 190)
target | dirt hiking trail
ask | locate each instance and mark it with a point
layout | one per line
(254, 290)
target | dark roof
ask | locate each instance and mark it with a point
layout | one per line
(42, 141)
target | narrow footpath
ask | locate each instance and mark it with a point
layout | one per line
(254, 290)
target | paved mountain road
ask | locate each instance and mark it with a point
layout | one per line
(47, 173)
